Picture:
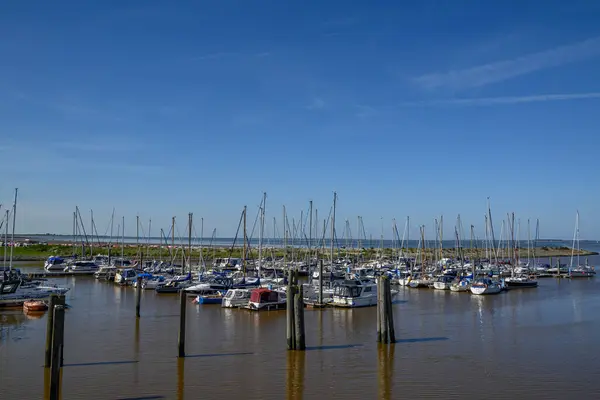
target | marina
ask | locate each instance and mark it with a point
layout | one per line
(465, 341)
(408, 306)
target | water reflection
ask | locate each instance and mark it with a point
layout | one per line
(180, 377)
(385, 357)
(295, 374)
(11, 321)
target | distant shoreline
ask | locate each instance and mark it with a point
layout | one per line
(40, 252)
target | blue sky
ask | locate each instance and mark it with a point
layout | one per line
(404, 108)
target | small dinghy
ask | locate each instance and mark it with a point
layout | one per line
(34, 305)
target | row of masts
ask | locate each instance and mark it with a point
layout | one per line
(507, 247)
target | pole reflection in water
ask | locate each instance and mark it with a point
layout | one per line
(136, 350)
(386, 369)
(180, 377)
(295, 375)
(46, 383)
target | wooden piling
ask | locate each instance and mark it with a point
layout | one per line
(389, 312)
(49, 327)
(138, 296)
(182, 311)
(290, 327)
(57, 346)
(379, 309)
(321, 283)
(300, 342)
(384, 325)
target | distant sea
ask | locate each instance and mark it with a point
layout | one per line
(278, 242)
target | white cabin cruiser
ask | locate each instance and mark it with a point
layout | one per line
(355, 293)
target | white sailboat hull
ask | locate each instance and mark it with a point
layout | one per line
(441, 285)
(481, 290)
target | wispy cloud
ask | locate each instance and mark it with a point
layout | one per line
(230, 54)
(339, 22)
(316, 104)
(215, 56)
(364, 111)
(498, 71)
(490, 101)
(108, 145)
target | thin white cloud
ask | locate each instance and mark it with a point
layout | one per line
(215, 56)
(316, 104)
(490, 101)
(230, 54)
(364, 111)
(502, 70)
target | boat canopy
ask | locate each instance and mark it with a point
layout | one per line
(264, 296)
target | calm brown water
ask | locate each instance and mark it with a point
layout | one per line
(535, 344)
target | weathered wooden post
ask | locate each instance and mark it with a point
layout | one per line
(57, 346)
(138, 296)
(379, 308)
(390, 314)
(182, 310)
(300, 342)
(321, 283)
(49, 328)
(385, 325)
(290, 328)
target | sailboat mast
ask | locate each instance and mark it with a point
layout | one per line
(407, 236)
(441, 237)
(244, 251)
(528, 242)
(6, 237)
(577, 225)
(173, 240)
(112, 220)
(492, 231)
(190, 221)
(13, 229)
(201, 258)
(262, 232)
(137, 236)
(162, 234)
(123, 237)
(284, 239)
(91, 234)
(74, 232)
(148, 240)
(333, 227)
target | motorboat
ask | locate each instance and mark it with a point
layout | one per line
(153, 282)
(14, 294)
(209, 296)
(236, 298)
(55, 263)
(126, 276)
(462, 285)
(81, 267)
(106, 272)
(355, 293)
(485, 286)
(266, 299)
(520, 281)
(213, 282)
(172, 286)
